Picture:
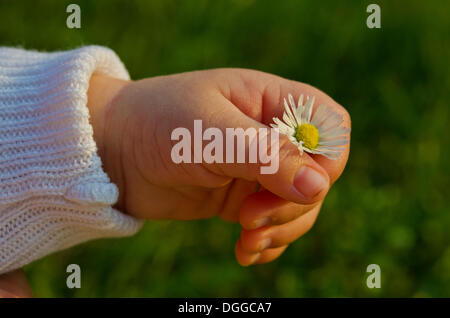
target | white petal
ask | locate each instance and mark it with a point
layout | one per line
(300, 100)
(301, 148)
(306, 115)
(332, 138)
(336, 131)
(280, 123)
(332, 121)
(330, 147)
(333, 149)
(288, 131)
(331, 155)
(292, 102)
(300, 109)
(325, 116)
(309, 113)
(338, 142)
(319, 115)
(288, 113)
(293, 139)
(296, 111)
(288, 120)
(298, 114)
(311, 151)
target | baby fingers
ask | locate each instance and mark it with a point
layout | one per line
(254, 244)
(265, 208)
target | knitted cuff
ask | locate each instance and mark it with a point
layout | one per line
(53, 191)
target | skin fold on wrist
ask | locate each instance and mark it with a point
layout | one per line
(103, 95)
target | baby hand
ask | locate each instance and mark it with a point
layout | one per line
(133, 124)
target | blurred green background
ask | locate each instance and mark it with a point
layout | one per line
(390, 206)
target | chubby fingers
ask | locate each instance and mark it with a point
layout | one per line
(245, 259)
(266, 243)
(265, 208)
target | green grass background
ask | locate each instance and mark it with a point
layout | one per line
(391, 205)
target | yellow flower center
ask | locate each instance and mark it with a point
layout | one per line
(309, 134)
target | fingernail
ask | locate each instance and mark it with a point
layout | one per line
(261, 222)
(265, 243)
(255, 258)
(309, 182)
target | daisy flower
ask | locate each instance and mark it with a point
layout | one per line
(318, 133)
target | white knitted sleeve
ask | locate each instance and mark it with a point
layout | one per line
(53, 191)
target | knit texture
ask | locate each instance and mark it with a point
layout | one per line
(53, 191)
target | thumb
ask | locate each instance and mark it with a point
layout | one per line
(270, 159)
